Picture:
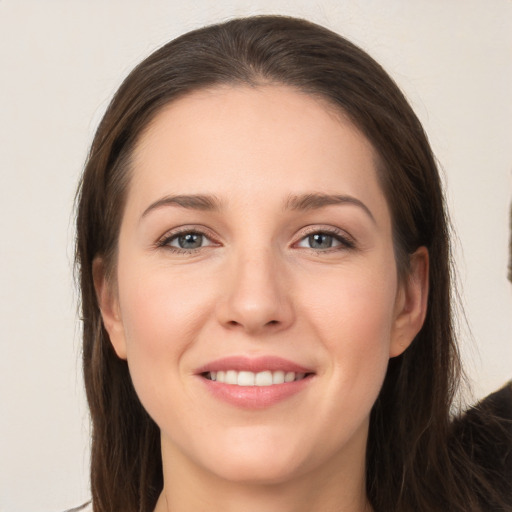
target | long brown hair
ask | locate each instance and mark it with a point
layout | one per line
(409, 466)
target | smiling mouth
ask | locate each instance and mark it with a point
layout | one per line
(246, 378)
(255, 383)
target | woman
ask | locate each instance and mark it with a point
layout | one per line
(265, 273)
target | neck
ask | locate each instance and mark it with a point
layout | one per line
(333, 488)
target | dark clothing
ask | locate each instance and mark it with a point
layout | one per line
(485, 433)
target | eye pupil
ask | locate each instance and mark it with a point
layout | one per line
(190, 241)
(320, 241)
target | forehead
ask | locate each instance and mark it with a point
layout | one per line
(240, 141)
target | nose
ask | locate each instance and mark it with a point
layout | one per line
(257, 295)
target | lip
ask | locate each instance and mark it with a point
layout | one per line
(254, 397)
(257, 364)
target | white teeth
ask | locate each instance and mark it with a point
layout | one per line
(244, 378)
(263, 379)
(278, 378)
(289, 377)
(231, 377)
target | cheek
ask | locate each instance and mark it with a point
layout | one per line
(161, 315)
(355, 323)
(359, 306)
(161, 310)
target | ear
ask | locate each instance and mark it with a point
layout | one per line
(109, 306)
(411, 303)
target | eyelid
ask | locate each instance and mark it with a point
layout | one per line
(346, 240)
(163, 241)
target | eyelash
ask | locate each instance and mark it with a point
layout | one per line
(166, 240)
(346, 242)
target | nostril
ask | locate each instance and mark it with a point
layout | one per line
(234, 323)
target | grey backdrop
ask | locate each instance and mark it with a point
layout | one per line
(60, 62)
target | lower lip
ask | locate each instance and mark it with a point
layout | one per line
(255, 397)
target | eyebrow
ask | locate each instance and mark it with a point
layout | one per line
(302, 202)
(191, 202)
(317, 201)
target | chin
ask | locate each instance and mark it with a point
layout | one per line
(262, 461)
(256, 472)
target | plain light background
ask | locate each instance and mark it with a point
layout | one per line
(61, 61)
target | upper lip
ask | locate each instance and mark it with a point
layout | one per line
(253, 364)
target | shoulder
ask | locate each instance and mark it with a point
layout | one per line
(484, 434)
(499, 402)
(489, 424)
(86, 507)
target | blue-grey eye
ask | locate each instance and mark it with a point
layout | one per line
(321, 241)
(188, 241)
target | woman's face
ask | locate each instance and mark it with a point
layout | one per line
(257, 300)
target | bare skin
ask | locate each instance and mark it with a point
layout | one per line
(255, 229)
